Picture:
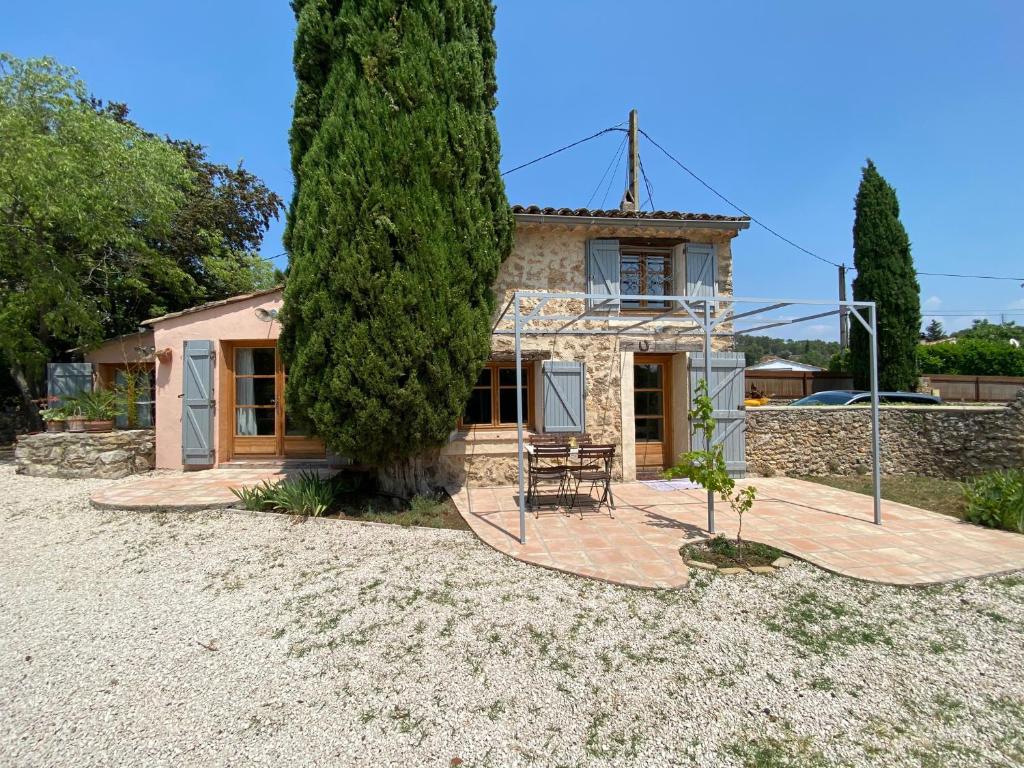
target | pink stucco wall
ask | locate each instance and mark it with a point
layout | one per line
(121, 350)
(235, 321)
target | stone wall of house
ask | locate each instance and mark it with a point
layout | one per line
(942, 441)
(83, 454)
(553, 258)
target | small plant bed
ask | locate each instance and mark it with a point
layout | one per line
(349, 496)
(723, 554)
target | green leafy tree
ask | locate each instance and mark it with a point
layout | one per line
(885, 275)
(398, 225)
(103, 224)
(986, 331)
(934, 331)
(81, 198)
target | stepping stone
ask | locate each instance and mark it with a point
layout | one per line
(783, 562)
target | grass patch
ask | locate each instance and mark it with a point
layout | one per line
(943, 496)
(724, 553)
(769, 752)
(822, 626)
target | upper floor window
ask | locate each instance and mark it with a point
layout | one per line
(645, 272)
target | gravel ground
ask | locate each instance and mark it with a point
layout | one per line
(227, 639)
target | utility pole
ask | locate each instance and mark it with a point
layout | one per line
(631, 198)
(844, 312)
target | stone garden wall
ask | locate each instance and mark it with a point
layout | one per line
(941, 441)
(83, 454)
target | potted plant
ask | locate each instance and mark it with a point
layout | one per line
(73, 415)
(55, 418)
(98, 410)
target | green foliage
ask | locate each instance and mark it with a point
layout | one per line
(934, 331)
(106, 224)
(971, 356)
(133, 389)
(54, 414)
(885, 275)
(839, 362)
(996, 500)
(986, 331)
(399, 221)
(810, 351)
(308, 495)
(94, 405)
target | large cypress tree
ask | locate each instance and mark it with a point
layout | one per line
(399, 221)
(885, 275)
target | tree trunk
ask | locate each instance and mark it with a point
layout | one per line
(27, 397)
(416, 476)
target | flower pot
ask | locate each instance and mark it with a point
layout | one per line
(56, 425)
(76, 424)
(99, 425)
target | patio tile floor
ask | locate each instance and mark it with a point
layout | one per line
(184, 491)
(826, 526)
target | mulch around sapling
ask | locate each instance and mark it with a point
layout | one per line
(724, 553)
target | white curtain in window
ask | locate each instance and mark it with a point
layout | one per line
(244, 393)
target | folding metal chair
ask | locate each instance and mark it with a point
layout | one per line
(594, 467)
(546, 464)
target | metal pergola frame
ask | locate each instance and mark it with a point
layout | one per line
(704, 313)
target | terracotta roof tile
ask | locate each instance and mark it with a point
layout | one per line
(618, 214)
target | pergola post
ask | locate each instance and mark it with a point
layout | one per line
(707, 382)
(519, 419)
(876, 438)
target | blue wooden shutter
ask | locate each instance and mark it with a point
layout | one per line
(603, 272)
(564, 396)
(197, 404)
(726, 390)
(67, 380)
(701, 269)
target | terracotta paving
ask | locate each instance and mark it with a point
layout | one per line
(826, 526)
(183, 491)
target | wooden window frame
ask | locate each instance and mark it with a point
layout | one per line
(495, 388)
(643, 253)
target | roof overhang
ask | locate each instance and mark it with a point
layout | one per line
(627, 222)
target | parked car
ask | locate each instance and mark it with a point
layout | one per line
(860, 397)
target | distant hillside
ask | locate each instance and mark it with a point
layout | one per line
(810, 351)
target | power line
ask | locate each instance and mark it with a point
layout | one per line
(976, 277)
(611, 179)
(562, 149)
(732, 204)
(607, 170)
(647, 181)
(974, 312)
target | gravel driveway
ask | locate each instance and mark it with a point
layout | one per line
(227, 639)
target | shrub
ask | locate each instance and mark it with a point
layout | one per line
(308, 495)
(971, 357)
(996, 500)
(97, 405)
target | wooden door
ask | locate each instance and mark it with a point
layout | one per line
(259, 420)
(652, 395)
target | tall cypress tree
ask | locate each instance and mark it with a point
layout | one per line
(885, 275)
(399, 221)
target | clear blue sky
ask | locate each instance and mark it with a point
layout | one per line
(775, 104)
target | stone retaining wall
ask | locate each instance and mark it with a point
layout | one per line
(940, 441)
(84, 454)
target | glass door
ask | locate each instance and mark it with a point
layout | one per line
(256, 412)
(261, 425)
(651, 378)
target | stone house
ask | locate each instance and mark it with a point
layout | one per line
(219, 380)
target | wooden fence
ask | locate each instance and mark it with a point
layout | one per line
(790, 385)
(974, 389)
